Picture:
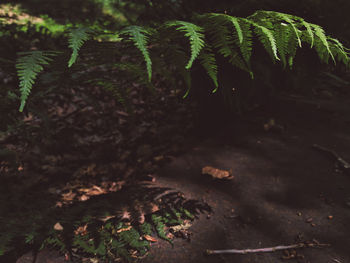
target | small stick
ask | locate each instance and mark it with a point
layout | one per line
(345, 165)
(264, 250)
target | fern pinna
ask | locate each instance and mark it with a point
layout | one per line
(209, 36)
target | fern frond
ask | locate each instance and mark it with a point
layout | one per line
(224, 42)
(208, 61)
(77, 37)
(309, 31)
(266, 38)
(243, 32)
(289, 20)
(195, 35)
(233, 20)
(338, 50)
(323, 43)
(29, 65)
(282, 33)
(159, 226)
(292, 49)
(139, 36)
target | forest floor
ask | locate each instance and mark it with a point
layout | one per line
(283, 191)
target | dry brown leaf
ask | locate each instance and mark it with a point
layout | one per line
(150, 238)
(186, 225)
(84, 198)
(82, 230)
(217, 173)
(124, 229)
(58, 226)
(68, 196)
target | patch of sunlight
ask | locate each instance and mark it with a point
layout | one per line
(109, 9)
(14, 14)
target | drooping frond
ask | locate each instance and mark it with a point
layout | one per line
(289, 20)
(139, 36)
(339, 51)
(242, 35)
(208, 61)
(29, 65)
(283, 35)
(233, 20)
(322, 46)
(77, 37)
(266, 38)
(225, 43)
(195, 35)
(309, 31)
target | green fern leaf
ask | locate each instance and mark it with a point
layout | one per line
(337, 47)
(287, 18)
(292, 49)
(309, 30)
(139, 36)
(159, 226)
(29, 65)
(235, 22)
(223, 41)
(195, 35)
(282, 33)
(266, 38)
(208, 61)
(77, 37)
(319, 32)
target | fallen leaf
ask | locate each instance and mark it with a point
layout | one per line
(58, 226)
(81, 230)
(150, 238)
(84, 198)
(217, 173)
(124, 229)
(186, 225)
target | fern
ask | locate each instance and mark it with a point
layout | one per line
(209, 35)
(322, 46)
(77, 37)
(139, 36)
(208, 61)
(283, 35)
(29, 65)
(266, 38)
(160, 227)
(195, 35)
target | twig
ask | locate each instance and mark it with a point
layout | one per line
(344, 164)
(267, 249)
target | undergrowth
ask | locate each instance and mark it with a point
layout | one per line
(173, 47)
(115, 239)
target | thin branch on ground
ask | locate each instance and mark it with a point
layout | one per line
(313, 244)
(344, 164)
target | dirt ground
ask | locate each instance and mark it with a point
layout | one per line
(283, 192)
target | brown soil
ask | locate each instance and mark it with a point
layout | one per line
(284, 191)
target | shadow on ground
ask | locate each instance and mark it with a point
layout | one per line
(284, 191)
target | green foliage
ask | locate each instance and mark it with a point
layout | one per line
(139, 36)
(115, 239)
(77, 37)
(208, 61)
(211, 36)
(29, 65)
(194, 33)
